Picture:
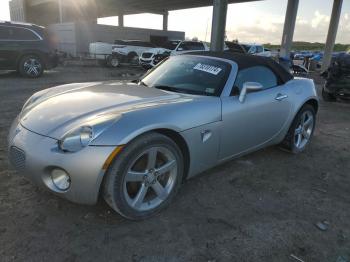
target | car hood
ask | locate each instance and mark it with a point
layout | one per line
(158, 50)
(55, 111)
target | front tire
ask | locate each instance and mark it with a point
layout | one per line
(145, 177)
(31, 66)
(301, 130)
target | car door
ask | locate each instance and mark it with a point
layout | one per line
(259, 118)
(14, 42)
(8, 48)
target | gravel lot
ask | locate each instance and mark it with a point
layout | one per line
(262, 207)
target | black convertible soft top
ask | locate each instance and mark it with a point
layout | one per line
(245, 60)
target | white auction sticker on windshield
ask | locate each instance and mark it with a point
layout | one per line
(208, 68)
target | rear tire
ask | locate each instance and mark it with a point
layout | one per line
(113, 61)
(145, 177)
(31, 66)
(133, 59)
(328, 97)
(301, 130)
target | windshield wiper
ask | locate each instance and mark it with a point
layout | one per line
(168, 88)
(179, 90)
(142, 83)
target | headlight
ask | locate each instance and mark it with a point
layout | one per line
(80, 137)
(77, 139)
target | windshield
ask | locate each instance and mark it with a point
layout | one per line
(190, 74)
(171, 45)
(247, 47)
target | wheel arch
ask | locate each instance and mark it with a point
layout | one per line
(310, 101)
(170, 133)
(132, 53)
(181, 143)
(313, 102)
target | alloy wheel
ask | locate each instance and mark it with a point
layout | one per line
(32, 67)
(114, 62)
(304, 129)
(150, 178)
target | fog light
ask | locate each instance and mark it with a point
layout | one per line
(60, 179)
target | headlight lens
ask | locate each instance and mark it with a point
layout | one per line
(77, 139)
(80, 137)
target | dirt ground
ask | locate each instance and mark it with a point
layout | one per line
(262, 207)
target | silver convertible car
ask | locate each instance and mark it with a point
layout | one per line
(135, 143)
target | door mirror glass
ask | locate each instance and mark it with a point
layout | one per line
(180, 49)
(249, 86)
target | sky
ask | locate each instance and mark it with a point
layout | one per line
(254, 22)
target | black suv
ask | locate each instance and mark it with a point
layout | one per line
(26, 48)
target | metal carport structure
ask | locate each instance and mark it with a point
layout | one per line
(110, 7)
(104, 8)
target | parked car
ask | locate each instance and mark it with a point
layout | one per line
(128, 51)
(122, 51)
(255, 49)
(302, 55)
(235, 47)
(135, 143)
(153, 56)
(27, 48)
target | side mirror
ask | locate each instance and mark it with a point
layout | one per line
(180, 49)
(249, 86)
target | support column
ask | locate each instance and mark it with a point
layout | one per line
(289, 27)
(120, 20)
(60, 10)
(332, 34)
(218, 25)
(165, 21)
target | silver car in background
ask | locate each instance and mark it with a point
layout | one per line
(135, 143)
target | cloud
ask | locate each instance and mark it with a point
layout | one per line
(319, 20)
(268, 29)
(254, 26)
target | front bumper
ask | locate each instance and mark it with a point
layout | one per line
(147, 63)
(35, 156)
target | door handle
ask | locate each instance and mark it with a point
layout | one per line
(206, 134)
(281, 97)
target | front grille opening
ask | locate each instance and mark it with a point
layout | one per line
(17, 158)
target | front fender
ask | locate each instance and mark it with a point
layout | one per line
(116, 136)
(177, 117)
